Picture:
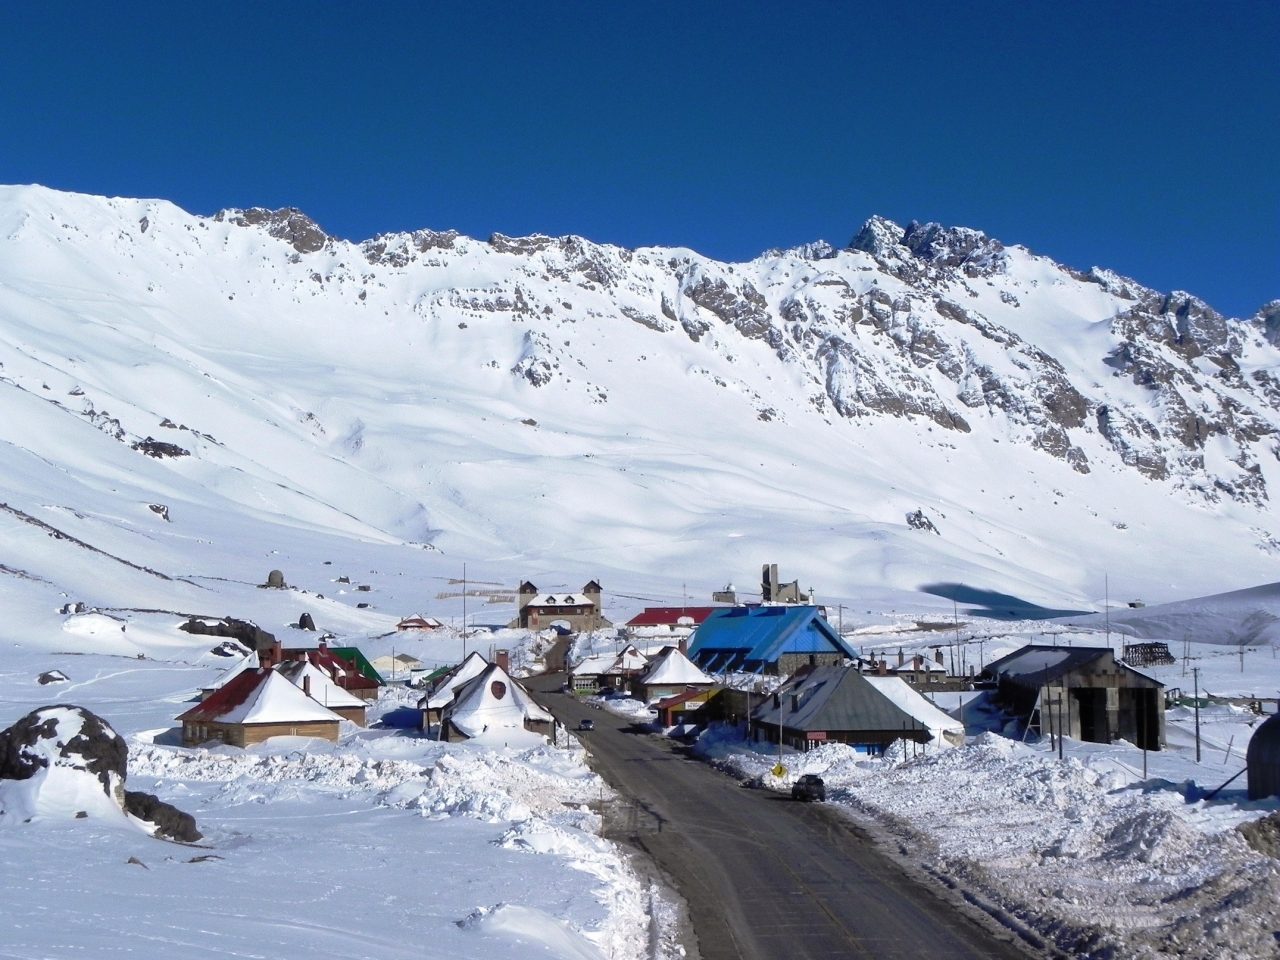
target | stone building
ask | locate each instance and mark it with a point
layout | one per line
(579, 612)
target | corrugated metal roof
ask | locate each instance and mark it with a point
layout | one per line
(1036, 665)
(664, 616)
(834, 698)
(740, 635)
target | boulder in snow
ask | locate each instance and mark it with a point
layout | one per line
(65, 762)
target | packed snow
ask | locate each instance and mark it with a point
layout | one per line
(190, 404)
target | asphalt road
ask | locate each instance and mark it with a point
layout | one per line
(765, 877)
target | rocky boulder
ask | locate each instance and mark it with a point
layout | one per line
(64, 762)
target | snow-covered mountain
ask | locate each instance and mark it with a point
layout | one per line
(192, 397)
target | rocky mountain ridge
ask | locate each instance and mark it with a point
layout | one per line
(908, 343)
(919, 366)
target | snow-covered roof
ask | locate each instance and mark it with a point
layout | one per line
(323, 690)
(491, 701)
(945, 729)
(631, 659)
(250, 662)
(560, 600)
(628, 661)
(672, 666)
(443, 693)
(260, 696)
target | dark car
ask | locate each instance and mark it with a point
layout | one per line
(586, 724)
(809, 787)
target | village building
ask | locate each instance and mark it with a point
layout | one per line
(255, 706)
(490, 705)
(578, 612)
(920, 670)
(767, 639)
(611, 671)
(419, 622)
(320, 687)
(443, 688)
(1083, 692)
(670, 673)
(839, 704)
(346, 666)
(396, 667)
(667, 621)
(686, 711)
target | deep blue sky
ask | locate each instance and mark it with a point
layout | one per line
(1144, 137)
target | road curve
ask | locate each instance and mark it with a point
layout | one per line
(766, 878)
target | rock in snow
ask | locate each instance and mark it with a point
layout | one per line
(66, 761)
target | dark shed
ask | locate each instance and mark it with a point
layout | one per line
(1263, 758)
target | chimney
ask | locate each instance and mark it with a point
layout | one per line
(503, 659)
(882, 667)
(306, 685)
(902, 657)
(795, 702)
(270, 655)
(917, 662)
(684, 645)
(937, 655)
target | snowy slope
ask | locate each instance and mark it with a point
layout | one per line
(551, 408)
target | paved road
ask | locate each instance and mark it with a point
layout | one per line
(767, 878)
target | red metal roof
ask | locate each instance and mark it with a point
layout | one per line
(676, 699)
(669, 616)
(227, 697)
(345, 673)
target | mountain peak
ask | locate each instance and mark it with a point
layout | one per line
(288, 223)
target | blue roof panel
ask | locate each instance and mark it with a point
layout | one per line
(765, 633)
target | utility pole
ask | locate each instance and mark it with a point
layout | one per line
(955, 619)
(1196, 673)
(464, 610)
(1106, 604)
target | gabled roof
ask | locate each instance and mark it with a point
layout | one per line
(492, 701)
(598, 664)
(259, 696)
(249, 662)
(419, 622)
(943, 726)
(323, 690)
(747, 637)
(341, 663)
(835, 698)
(443, 690)
(356, 657)
(1036, 665)
(670, 616)
(673, 667)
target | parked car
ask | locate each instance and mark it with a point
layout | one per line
(809, 787)
(586, 724)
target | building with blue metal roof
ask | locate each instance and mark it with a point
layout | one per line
(767, 639)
